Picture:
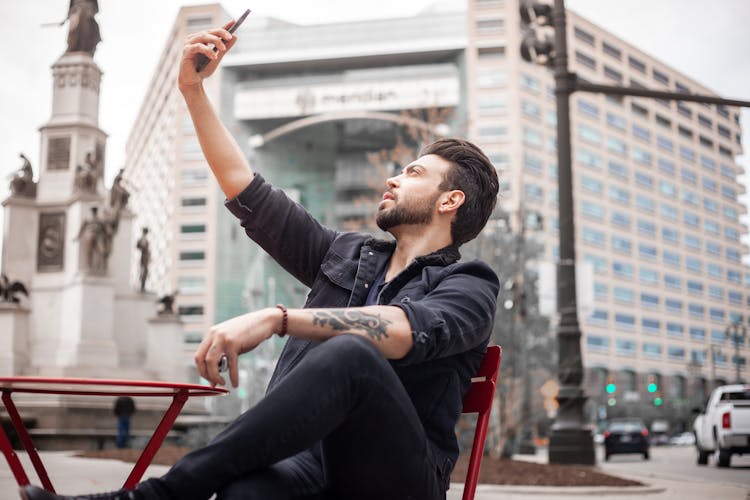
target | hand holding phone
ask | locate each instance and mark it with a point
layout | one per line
(203, 60)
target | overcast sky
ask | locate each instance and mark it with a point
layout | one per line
(707, 40)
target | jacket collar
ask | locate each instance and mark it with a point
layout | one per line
(442, 257)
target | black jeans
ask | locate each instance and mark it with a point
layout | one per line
(345, 395)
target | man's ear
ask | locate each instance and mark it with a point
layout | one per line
(450, 201)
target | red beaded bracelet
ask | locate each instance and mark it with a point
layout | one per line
(284, 320)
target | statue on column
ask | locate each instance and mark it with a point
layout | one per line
(145, 259)
(87, 175)
(22, 181)
(118, 195)
(95, 236)
(83, 30)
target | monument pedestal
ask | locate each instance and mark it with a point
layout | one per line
(14, 339)
(87, 325)
(164, 347)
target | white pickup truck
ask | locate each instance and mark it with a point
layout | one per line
(724, 427)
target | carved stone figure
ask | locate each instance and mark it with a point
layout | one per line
(22, 181)
(95, 236)
(87, 175)
(145, 259)
(83, 30)
(9, 290)
(118, 195)
(167, 304)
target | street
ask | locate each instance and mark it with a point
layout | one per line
(677, 463)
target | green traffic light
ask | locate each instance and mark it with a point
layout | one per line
(611, 388)
(658, 401)
(652, 387)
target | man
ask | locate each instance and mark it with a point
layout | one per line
(365, 396)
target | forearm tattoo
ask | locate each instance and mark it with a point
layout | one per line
(353, 321)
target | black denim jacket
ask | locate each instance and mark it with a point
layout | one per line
(450, 305)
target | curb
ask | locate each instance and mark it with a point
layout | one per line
(562, 490)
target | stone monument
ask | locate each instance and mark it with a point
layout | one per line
(71, 242)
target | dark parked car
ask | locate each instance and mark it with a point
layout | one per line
(626, 436)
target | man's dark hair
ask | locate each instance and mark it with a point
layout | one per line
(473, 173)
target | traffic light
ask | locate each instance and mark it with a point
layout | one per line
(653, 385)
(611, 388)
(537, 42)
(658, 401)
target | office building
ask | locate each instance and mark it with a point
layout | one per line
(656, 191)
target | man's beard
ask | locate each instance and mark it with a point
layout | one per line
(419, 212)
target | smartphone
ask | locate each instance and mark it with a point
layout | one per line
(203, 60)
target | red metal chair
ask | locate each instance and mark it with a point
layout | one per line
(479, 400)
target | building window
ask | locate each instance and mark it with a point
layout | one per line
(592, 210)
(645, 204)
(708, 163)
(636, 64)
(622, 245)
(695, 287)
(488, 79)
(670, 235)
(697, 333)
(530, 83)
(664, 143)
(716, 292)
(689, 175)
(597, 343)
(589, 134)
(650, 325)
(593, 237)
(676, 353)
(646, 228)
(648, 276)
(611, 50)
(191, 177)
(617, 146)
(647, 251)
(620, 219)
(626, 321)
(623, 295)
(599, 316)
(191, 284)
(625, 347)
(668, 212)
(671, 258)
(692, 242)
(649, 300)
(490, 26)
(192, 231)
(491, 105)
(532, 137)
(588, 108)
(589, 159)
(641, 156)
(651, 351)
(675, 330)
(671, 281)
(618, 169)
(694, 265)
(531, 109)
(660, 77)
(691, 219)
(193, 202)
(622, 269)
(584, 36)
(616, 121)
(192, 256)
(663, 121)
(673, 305)
(696, 310)
(585, 60)
(619, 195)
(644, 180)
(591, 185)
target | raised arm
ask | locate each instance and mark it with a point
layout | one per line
(387, 327)
(224, 156)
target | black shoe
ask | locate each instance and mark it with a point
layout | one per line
(36, 493)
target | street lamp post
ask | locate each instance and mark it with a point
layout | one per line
(737, 332)
(571, 441)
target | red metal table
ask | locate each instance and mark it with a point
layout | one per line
(93, 387)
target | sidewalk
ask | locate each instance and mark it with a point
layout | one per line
(73, 475)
